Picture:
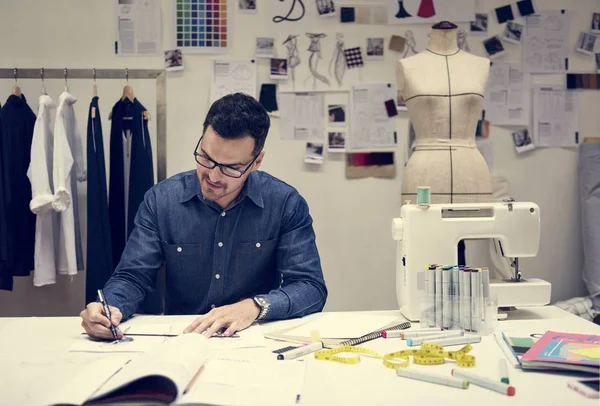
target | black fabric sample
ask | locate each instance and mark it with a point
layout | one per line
(525, 7)
(347, 15)
(504, 14)
(268, 97)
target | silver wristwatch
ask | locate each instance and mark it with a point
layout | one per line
(264, 305)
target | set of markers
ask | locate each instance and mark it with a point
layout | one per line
(461, 379)
(457, 297)
(435, 335)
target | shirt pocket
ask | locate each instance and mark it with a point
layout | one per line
(255, 264)
(184, 275)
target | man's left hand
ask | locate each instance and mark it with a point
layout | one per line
(233, 318)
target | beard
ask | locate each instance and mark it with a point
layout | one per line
(215, 191)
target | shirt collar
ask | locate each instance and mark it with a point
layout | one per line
(251, 189)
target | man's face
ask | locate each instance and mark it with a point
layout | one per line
(236, 154)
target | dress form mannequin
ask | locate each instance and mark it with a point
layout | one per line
(443, 88)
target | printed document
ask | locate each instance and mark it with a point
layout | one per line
(371, 127)
(232, 77)
(555, 118)
(138, 26)
(507, 99)
(341, 325)
(302, 115)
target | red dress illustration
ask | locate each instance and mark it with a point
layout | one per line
(426, 9)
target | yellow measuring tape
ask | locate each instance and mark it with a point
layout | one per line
(428, 354)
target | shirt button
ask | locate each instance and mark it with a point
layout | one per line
(179, 249)
(217, 276)
(223, 214)
(212, 306)
(220, 244)
(257, 245)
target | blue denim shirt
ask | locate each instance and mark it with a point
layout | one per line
(263, 243)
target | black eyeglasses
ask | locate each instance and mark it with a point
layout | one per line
(226, 170)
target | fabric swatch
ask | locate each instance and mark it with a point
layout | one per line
(397, 43)
(390, 106)
(590, 81)
(268, 98)
(347, 15)
(525, 7)
(504, 14)
(370, 164)
(353, 57)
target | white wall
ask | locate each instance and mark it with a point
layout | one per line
(352, 217)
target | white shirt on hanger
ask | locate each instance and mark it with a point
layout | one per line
(68, 161)
(40, 177)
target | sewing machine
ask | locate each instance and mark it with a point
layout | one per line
(429, 234)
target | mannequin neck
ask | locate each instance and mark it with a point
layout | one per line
(443, 42)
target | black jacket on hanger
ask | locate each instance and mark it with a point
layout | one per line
(6, 278)
(128, 127)
(18, 121)
(99, 263)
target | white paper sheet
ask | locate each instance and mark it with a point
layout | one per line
(231, 77)
(138, 28)
(340, 325)
(83, 343)
(545, 46)
(248, 338)
(371, 127)
(241, 382)
(507, 100)
(555, 118)
(302, 116)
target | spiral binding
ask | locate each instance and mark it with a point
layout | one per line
(375, 334)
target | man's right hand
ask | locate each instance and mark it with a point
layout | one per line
(96, 324)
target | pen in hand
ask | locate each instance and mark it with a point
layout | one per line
(113, 329)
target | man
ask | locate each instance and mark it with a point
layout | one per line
(238, 243)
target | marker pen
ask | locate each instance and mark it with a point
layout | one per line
(433, 378)
(484, 382)
(409, 333)
(503, 370)
(300, 351)
(432, 337)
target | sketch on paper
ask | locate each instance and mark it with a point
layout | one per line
(461, 39)
(293, 55)
(296, 12)
(313, 60)
(338, 61)
(411, 44)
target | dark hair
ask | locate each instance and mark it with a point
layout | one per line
(239, 115)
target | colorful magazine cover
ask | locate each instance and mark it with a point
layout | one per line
(556, 350)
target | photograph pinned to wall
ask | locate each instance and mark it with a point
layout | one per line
(595, 25)
(493, 47)
(430, 11)
(586, 43)
(337, 141)
(173, 60)
(480, 25)
(370, 164)
(247, 6)
(513, 32)
(375, 49)
(279, 68)
(598, 63)
(326, 8)
(522, 141)
(314, 153)
(265, 47)
(337, 115)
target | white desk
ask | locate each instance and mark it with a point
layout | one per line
(35, 360)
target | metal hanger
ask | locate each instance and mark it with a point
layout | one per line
(95, 88)
(16, 90)
(127, 89)
(43, 84)
(66, 84)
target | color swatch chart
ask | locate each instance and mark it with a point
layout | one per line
(203, 25)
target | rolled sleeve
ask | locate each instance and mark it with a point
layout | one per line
(142, 258)
(303, 290)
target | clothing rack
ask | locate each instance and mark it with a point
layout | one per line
(159, 75)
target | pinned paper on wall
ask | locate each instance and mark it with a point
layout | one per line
(507, 99)
(202, 26)
(525, 7)
(493, 47)
(326, 8)
(430, 11)
(375, 47)
(247, 6)
(265, 47)
(522, 141)
(479, 26)
(302, 116)
(504, 14)
(336, 141)
(353, 57)
(314, 153)
(231, 77)
(173, 60)
(555, 118)
(595, 24)
(545, 43)
(586, 43)
(313, 60)
(513, 33)
(371, 127)
(138, 28)
(397, 43)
